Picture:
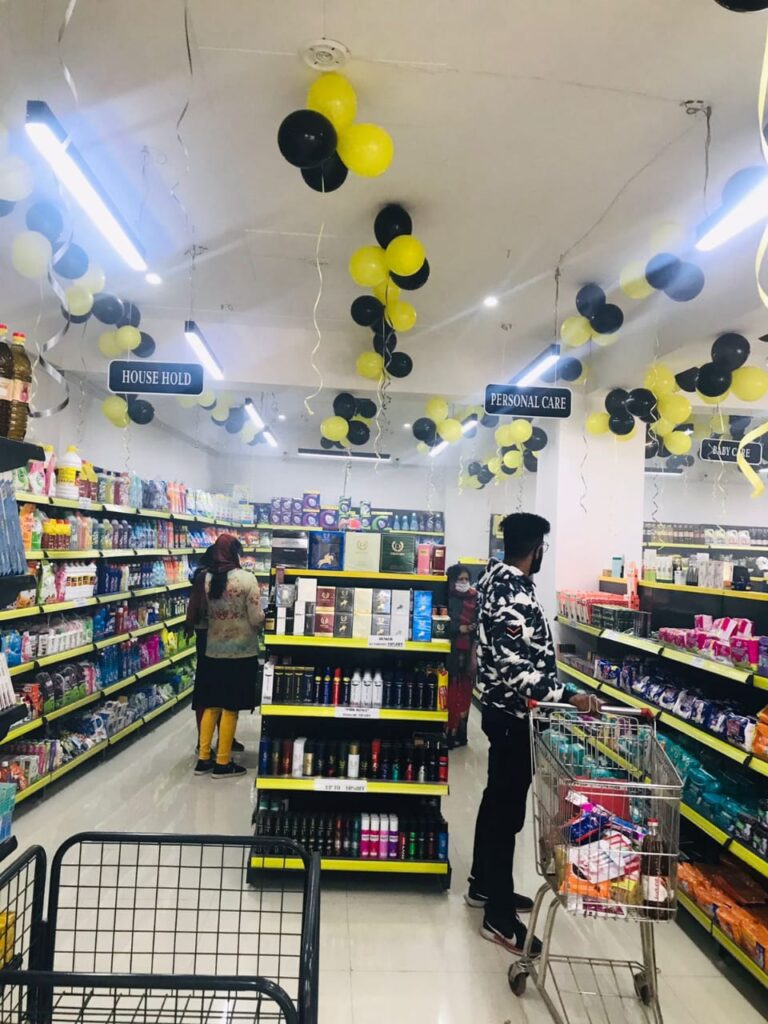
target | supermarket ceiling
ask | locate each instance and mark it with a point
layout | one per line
(522, 131)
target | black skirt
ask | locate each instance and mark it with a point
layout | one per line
(230, 683)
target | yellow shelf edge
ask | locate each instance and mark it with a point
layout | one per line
(696, 912)
(738, 954)
(354, 575)
(63, 606)
(285, 640)
(123, 595)
(329, 711)
(144, 630)
(19, 670)
(372, 785)
(179, 586)
(75, 706)
(738, 675)
(704, 824)
(581, 626)
(36, 786)
(126, 731)
(179, 655)
(20, 613)
(24, 728)
(156, 712)
(187, 692)
(74, 652)
(65, 768)
(110, 640)
(703, 737)
(164, 663)
(748, 595)
(149, 591)
(757, 764)
(350, 864)
(750, 857)
(119, 685)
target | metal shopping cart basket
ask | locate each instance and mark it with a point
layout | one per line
(598, 782)
(158, 929)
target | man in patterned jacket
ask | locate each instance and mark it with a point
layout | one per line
(516, 663)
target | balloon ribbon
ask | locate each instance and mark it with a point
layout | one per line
(761, 104)
(753, 478)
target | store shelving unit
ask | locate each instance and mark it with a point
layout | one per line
(83, 505)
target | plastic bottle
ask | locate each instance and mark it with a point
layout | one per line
(378, 689)
(356, 690)
(6, 381)
(367, 689)
(22, 378)
(67, 474)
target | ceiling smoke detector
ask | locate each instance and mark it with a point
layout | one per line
(325, 55)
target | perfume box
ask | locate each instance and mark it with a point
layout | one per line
(326, 550)
(343, 624)
(345, 599)
(381, 601)
(326, 598)
(324, 623)
(363, 600)
(398, 553)
(361, 625)
(380, 625)
(362, 552)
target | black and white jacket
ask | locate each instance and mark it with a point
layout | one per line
(515, 651)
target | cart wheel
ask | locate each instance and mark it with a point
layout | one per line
(643, 989)
(518, 979)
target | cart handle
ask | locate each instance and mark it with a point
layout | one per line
(603, 708)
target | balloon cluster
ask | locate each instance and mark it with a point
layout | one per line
(519, 446)
(567, 369)
(397, 263)
(350, 423)
(597, 320)
(226, 412)
(726, 373)
(437, 426)
(121, 410)
(324, 143)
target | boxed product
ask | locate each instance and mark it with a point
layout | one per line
(361, 625)
(398, 553)
(345, 599)
(422, 630)
(363, 601)
(310, 519)
(343, 624)
(424, 559)
(326, 598)
(422, 603)
(311, 501)
(306, 590)
(362, 552)
(382, 601)
(328, 518)
(438, 559)
(324, 623)
(380, 625)
(326, 550)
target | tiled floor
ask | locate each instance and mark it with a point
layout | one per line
(389, 952)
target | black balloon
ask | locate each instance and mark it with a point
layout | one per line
(675, 462)
(489, 420)
(382, 342)
(651, 448)
(537, 440)
(641, 403)
(485, 475)
(687, 283)
(306, 138)
(236, 420)
(474, 468)
(424, 429)
(621, 425)
(327, 176)
(75, 319)
(400, 364)
(72, 263)
(146, 346)
(6, 207)
(366, 310)
(589, 300)
(366, 408)
(730, 351)
(530, 462)
(46, 218)
(616, 402)
(608, 319)
(413, 281)
(344, 405)
(107, 308)
(661, 270)
(391, 222)
(688, 461)
(713, 380)
(325, 443)
(141, 411)
(359, 432)
(686, 379)
(470, 424)
(511, 470)
(568, 368)
(131, 316)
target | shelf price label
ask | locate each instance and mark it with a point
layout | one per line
(341, 785)
(357, 713)
(390, 643)
(84, 503)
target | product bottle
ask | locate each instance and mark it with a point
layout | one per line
(373, 836)
(6, 381)
(270, 616)
(365, 835)
(356, 690)
(393, 837)
(353, 761)
(22, 378)
(67, 472)
(414, 523)
(327, 687)
(367, 694)
(346, 691)
(336, 688)
(384, 837)
(654, 874)
(378, 690)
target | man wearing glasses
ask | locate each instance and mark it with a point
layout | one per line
(516, 663)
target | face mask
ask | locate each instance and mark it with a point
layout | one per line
(537, 560)
(462, 587)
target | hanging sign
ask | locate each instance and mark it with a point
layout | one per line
(717, 449)
(511, 400)
(145, 378)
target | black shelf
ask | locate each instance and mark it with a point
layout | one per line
(8, 846)
(18, 453)
(10, 716)
(12, 586)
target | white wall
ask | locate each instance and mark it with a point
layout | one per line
(720, 498)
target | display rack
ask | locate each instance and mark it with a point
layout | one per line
(354, 723)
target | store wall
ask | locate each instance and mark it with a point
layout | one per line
(715, 499)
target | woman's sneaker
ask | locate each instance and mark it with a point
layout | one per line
(237, 747)
(228, 771)
(203, 767)
(474, 898)
(509, 932)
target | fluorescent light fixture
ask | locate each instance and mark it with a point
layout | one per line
(256, 420)
(320, 453)
(269, 437)
(663, 472)
(52, 142)
(466, 426)
(153, 278)
(544, 361)
(750, 209)
(490, 302)
(199, 346)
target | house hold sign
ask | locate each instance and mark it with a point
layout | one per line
(143, 378)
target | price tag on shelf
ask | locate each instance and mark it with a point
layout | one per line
(357, 713)
(81, 602)
(390, 643)
(341, 785)
(700, 662)
(84, 503)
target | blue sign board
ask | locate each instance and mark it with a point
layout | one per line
(140, 377)
(511, 400)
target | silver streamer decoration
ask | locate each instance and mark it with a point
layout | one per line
(40, 362)
(68, 13)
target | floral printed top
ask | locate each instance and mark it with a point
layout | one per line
(235, 619)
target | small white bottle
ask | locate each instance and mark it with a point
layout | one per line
(353, 761)
(356, 690)
(378, 690)
(367, 695)
(297, 764)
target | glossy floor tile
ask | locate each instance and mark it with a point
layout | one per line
(400, 950)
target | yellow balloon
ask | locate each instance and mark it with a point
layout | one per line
(332, 96)
(366, 149)
(401, 315)
(220, 412)
(367, 267)
(678, 442)
(405, 255)
(206, 397)
(669, 237)
(494, 464)
(662, 427)
(93, 280)
(16, 180)
(108, 345)
(450, 430)
(114, 407)
(248, 432)
(121, 421)
(512, 460)
(504, 435)
(128, 338)
(79, 300)
(520, 431)
(31, 253)
(370, 365)
(604, 340)
(633, 282)
(749, 383)
(676, 408)
(660, 380)
(626, 437)
(386, 291)
(575, 331)
(713, 401)
(597, 423)
(437, 409)
(334, 428)
(187, 401)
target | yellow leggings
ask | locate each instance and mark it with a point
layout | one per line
(227, 722)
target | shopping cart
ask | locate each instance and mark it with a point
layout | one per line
(158, 929)
(598, 782)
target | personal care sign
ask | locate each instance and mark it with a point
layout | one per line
(140, 377)
(717, 449)
(511, 400)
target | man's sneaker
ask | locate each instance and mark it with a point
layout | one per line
(509, 933)
(473, 897)
(228, 771)
(237, 747)
(203, 767)
(522, 904)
